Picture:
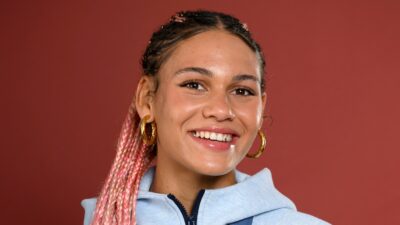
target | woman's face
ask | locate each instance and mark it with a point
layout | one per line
(208, 106)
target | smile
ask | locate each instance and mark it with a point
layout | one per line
(212, 136)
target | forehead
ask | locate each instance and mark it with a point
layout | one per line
(216, 50)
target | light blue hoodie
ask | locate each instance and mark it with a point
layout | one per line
(252, 200)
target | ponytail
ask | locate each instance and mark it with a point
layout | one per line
(117, 201)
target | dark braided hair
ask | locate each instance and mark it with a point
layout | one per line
(186, 24)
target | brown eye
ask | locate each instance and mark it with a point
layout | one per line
(193, 85)
(243, 91)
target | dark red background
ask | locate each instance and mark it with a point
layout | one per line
(69, 69)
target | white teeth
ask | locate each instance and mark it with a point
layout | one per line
(228, 138)
(213, 136)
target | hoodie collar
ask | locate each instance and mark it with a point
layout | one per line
(250, 196)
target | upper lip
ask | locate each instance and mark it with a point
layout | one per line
(222, 130)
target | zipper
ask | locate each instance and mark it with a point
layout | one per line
(189, 219)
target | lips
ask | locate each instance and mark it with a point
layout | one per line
(218, 139)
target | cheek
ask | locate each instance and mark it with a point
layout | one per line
(172, 106)
(249, 112)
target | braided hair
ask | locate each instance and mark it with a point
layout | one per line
(116, 203)
(186, 24)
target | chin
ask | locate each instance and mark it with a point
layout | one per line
(214, 169)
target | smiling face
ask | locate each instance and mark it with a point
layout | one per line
(208, 105)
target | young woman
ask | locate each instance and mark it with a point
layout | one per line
(197, 110)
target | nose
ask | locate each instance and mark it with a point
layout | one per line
(219, 107)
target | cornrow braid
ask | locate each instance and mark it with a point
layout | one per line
(116, 203)
(186, 24)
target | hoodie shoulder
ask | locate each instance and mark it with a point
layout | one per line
(287, 216)
(89, 205)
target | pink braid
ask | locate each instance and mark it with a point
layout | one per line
(117, 201)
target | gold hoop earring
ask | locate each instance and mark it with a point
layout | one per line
(148, 140)
(261, 148)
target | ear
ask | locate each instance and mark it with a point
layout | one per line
(264, 103)
(144, 97)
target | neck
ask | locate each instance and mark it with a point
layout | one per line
(185, 184)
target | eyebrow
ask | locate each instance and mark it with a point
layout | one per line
(208, 73)
(199, 70)
(246, 77)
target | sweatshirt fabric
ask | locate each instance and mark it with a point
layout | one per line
(252, 200)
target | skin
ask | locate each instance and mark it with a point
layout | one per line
(222, 92)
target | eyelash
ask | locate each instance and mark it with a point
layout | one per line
(249, 91)
(189, 84)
